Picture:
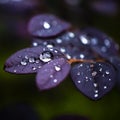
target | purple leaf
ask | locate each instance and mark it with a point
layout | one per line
(101, 43)
(52, 73)
(94, 79)
(29, 60)
(46, 25)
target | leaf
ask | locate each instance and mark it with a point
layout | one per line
(94, 80)
(52, 73)
(47, 25)
(29, 60)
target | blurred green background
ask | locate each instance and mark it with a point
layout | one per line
(64, 99)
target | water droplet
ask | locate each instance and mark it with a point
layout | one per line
(51, 76)
(94, 73)
(91, 65)
(96, 91)
(79, 81)
(105, 87)
(68, 56)
(103, 49)
(46, 25)
(94, 41)
(100, 69)
(39, 66)
(35, 44)
(31, 60)
(107, 43)
(62, 50)
(96, 95)
(57, 68)
(107, 72)
(72, 35)
(78, 73)
(81, 65)
(37, 61)
(58, 41)
(14, 71)
(34, 68)
(84, 40)
(95, 84)
(26, 57)
(23, 63)
(55, 80)
(82, 56)
(46, 56)
(49, 46)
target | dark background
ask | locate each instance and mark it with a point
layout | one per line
(64, 99)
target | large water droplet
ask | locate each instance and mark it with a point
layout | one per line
(46, 56)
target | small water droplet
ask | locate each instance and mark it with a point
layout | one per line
(51, 76)
(105, 87)
(96, 91)
(14, 71)
(26, 57)
(84, 40)
(94, 41)
(91, 65)
(94, 73)
(57, 68)
(55, 80)
(31, 60)
(96, 95)
(58, 41)
(35, 44)
(107, 42)
(104, 49)
(23, 63)
(81, 65)
(68, 56)
(82, 56)
(39, 66)
(95, 84)
(62, 50)
(49, 46)
(71, 34)
(107, 72)
(37, 61)
(34, 68)
(79, 81)
(100, 69)
(78, 73)
(46, 25)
